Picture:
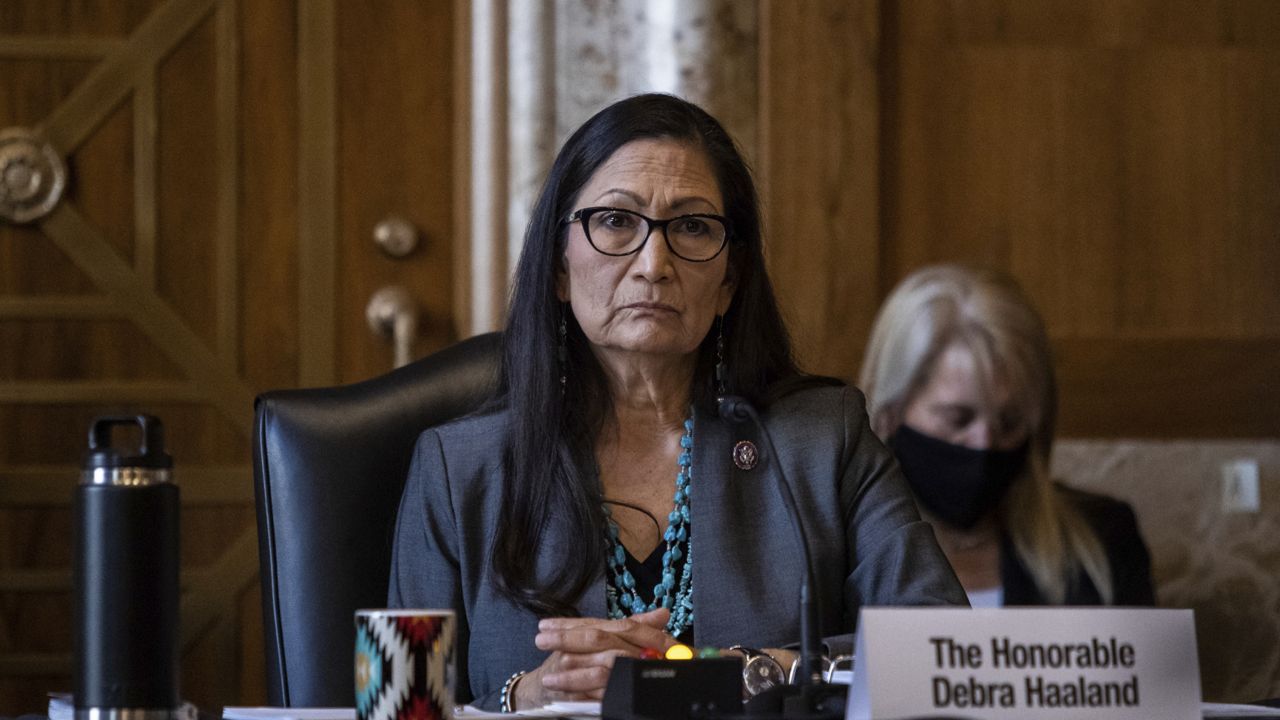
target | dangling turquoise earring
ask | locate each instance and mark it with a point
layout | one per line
(562, 351)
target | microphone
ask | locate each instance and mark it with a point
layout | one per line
(813, 692)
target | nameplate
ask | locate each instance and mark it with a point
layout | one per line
(1023, 663)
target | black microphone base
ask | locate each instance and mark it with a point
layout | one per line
(822, 701)
(673, 689)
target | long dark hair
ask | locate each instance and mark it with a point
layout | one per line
(550, 455)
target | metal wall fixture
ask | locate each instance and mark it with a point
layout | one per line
(396, 235)
(33, 176)
(393, 314)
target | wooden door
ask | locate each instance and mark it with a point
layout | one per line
(228, 160)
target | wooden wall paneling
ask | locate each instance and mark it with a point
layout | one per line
(111, 81)
(82, 242)
(1174, 161)
(130, 121)
(187, 163)
(462, 181)
(1203, 173)
(819, 169)
(89, 48)
(1168, 387)
(1252, 176)
(1064, 183)
(226, 269)
(395, 135)
(33, 85)
(317, 191)
(103, 180)
(270, 227)
(1103, 154)
(145, 182)
(93, 20)
(195, 263)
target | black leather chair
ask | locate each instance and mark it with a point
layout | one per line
(329, 465)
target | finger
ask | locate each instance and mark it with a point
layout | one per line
(657, 618)
(555, 696)
(580, 680)
(567, 623)
(629, 636)
(574, 661)
(587, 639)
(647, 636)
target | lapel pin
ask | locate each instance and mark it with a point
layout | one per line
(745, 455)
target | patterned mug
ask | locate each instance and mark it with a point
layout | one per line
(404, 664)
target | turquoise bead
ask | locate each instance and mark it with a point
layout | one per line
(674, 592)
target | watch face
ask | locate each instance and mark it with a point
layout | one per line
(761, 673)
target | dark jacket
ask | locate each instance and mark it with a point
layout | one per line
(1117, 531)
(869, 545)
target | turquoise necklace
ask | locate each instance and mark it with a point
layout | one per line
(674, 594)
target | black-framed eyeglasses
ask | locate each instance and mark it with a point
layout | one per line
(698, 237)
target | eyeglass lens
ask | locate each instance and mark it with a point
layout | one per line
(619, 232)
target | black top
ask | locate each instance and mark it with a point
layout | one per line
(1117, 529)
(649, 573)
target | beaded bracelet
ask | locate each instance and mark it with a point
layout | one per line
(506, 699)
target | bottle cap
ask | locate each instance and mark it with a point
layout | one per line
(149, 455)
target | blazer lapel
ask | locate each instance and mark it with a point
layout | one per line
(746, 566)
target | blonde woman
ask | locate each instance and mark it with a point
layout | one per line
(959, 383)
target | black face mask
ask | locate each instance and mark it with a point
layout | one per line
(959, 485)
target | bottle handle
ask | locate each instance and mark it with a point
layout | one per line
(152, 432)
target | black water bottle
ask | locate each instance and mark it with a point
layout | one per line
(126, 577)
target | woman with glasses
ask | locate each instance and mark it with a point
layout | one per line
(601, 507)
(960, 384)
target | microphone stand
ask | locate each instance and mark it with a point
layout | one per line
(811, 697)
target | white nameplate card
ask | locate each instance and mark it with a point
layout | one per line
(1061, 663)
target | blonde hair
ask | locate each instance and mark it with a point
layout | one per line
(987, 314)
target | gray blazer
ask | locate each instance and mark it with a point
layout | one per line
(870, 546)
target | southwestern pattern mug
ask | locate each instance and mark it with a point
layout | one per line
(404, 664)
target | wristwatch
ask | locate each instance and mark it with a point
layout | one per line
(760, 672)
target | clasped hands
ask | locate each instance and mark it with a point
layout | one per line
(582, 654)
